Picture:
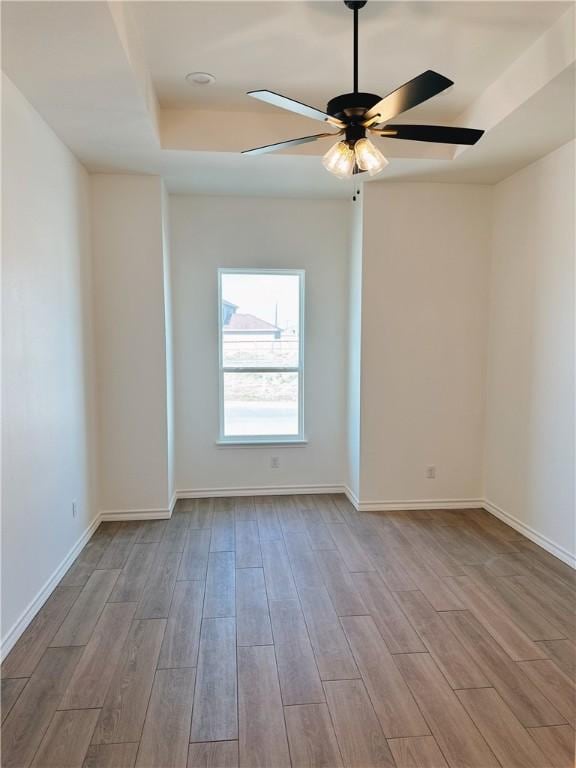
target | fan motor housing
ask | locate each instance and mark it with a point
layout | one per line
(350, 105)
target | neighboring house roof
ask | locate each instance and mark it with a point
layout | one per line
(240, 322)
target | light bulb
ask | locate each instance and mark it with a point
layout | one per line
(340, 160)
(368, 157)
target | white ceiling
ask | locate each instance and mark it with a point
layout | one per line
(304, 49)
(109, 78)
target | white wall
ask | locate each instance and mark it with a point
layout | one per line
(529, 456)
(354, 359)
(208, 233)
(424, 318)
(47, 426)
(130, 324)
(168, 312)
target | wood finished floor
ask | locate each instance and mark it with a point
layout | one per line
(295, 631)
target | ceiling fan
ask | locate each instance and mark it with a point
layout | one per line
(354, 114)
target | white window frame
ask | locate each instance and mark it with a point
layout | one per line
(262, 439)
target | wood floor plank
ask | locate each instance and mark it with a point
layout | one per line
(350, 548)
(331, 650)
(11, 689)
(525, 700)
(454, 623)
(329, 512)
(291, 518)
(175, 532)
(413, 536)
(562, 570)
(220, 596)
(386, 559)
(555, 685)
(452, 658)
(345, 508)
(417, 752)
(26, 724)
(346, 599)
(122, 716)
(182, 635)
(248, 553)
(195, 556)
(244, 508)
(396, 630)
(507, 565)
(30, 647)
(494, 617)
(117, 552)
(95, 670)
(460, 544)
(151, 531)
(297, 670)
(200, 513)
(86, 562)
(82, 617)
(495, 526)
(277, 572)
(165, 737)
(358, 731)
(391, 698)
(507, 738)
(303, 561)
(252, 616)
(262, 740)
(451, 726)
(111, 756)
(558, 607)
(311, 737)
(557, 742)
(223, 526)
(319, 536)
(213, 754)
(157, 594)
(268, 524)
(67, 739)
(495, 543)
(215, 699)
(526, 614)
(436, 589)
(563, 654)
(132, 579)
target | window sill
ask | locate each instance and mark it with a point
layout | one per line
(247, 443)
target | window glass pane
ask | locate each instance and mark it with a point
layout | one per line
(260, 404)
(260, 320)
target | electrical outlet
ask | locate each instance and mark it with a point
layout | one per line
(275, 462)
(74, 508)
(431, 472)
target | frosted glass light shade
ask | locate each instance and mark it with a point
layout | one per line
(340, 160)
(368, 157)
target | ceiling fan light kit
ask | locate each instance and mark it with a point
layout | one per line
(354, 114)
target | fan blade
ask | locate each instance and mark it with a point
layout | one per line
(437, 133)
(284, 144)
(409, 95)
(294, 106)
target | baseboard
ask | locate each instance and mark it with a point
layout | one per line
(538, 538)
(114, 515)
(407, 505)
(260, 490)
(352, 498)
(11, 637)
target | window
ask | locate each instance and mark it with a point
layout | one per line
(261, 355)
